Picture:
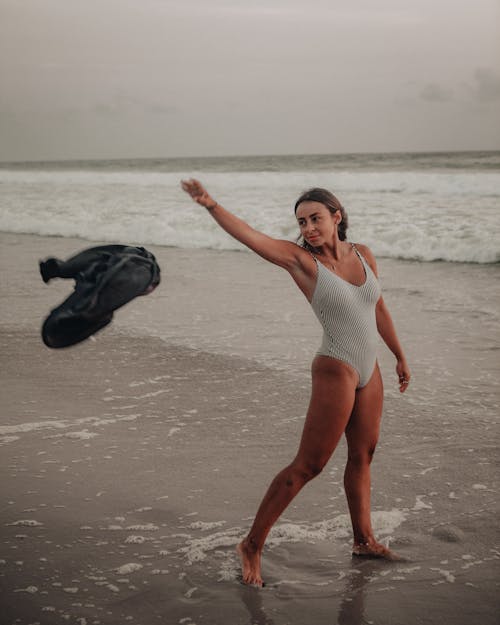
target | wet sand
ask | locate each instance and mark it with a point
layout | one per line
(133, 463)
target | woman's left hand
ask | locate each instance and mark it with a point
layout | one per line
(404, 375)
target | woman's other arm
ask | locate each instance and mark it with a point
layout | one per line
(387, 331)
(386, 328)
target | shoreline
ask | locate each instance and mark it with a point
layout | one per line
(80, 243)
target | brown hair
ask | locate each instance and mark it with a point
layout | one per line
(323, 196)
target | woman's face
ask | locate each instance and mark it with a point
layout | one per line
(316, 223)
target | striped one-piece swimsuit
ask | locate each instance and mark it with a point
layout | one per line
(347, 314)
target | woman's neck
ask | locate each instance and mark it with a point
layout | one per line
(334, 251)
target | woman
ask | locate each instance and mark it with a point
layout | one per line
(339, 279)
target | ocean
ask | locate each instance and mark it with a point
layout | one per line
(425, 207)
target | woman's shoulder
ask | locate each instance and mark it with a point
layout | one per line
(295, 256)
(363, 249)
(367, 254)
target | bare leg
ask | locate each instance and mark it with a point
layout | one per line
(332, 400)
(362, 433)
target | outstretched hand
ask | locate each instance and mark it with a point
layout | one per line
(404, 375)
(198, 193)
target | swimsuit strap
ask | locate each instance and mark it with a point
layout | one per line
(360, 256)
(353, 245)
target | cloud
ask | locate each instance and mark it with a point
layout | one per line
(432, 92)
(486, 86)
(483, 87)
(120, 104)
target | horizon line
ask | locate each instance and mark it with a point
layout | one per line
(228, 156)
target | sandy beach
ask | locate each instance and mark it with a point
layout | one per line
(132, 464)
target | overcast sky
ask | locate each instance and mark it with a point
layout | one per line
(140, 78)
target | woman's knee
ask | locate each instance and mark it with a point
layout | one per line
(304, 470)
(361, 456)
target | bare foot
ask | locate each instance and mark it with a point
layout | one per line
(250, 564)
(373, 549)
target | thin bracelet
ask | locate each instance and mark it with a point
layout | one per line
(211, 208)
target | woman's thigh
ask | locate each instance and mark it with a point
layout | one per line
(363, 429)
(332, 400)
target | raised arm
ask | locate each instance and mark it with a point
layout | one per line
(283, 253)
(386, 328)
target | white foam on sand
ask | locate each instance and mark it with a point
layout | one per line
(384, 523)
(448, 576)
(35, 425)
(337, 528)
(131, 567)
(154, 380)
(196, 549)
(421, 505)
(200, 525)
(30, 589)
(9, 433)
(83, 435)
(137, 540)
(5, 440)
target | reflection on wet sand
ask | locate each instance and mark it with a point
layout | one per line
(253, 600)
(352, 607)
